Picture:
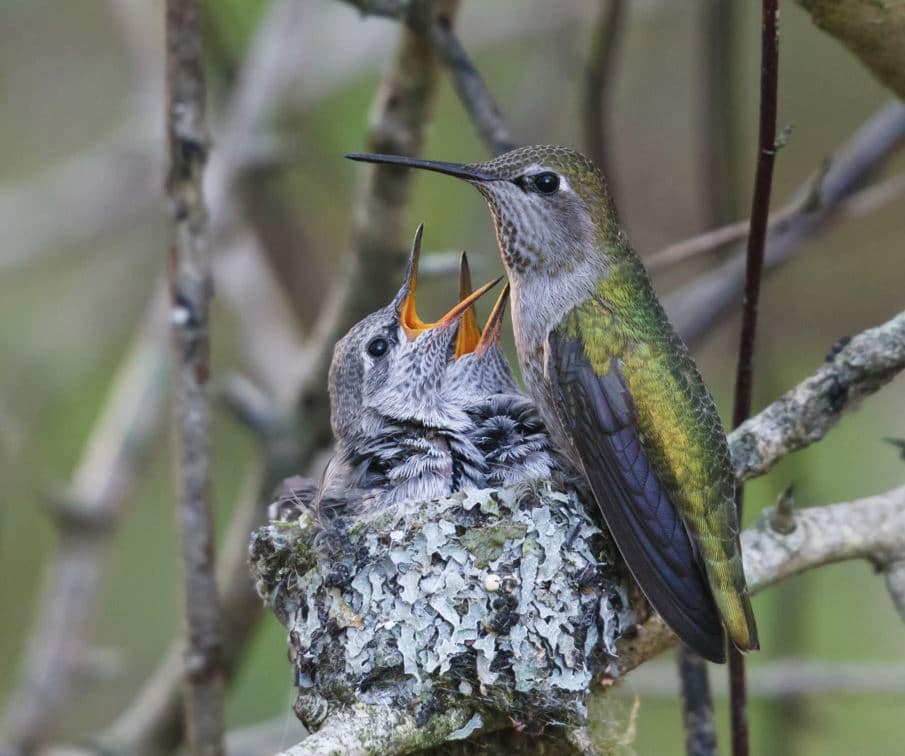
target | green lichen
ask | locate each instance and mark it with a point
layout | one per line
(487, 544)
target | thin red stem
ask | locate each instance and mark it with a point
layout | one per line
(760, 208)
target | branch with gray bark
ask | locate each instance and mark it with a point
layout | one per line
(428, 18)
(698, 306)
(190, 282)
(86, 515)
(374, 262)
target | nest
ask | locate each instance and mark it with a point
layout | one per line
(510, 598)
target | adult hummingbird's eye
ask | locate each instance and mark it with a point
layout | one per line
(546, 183)
(377, 347)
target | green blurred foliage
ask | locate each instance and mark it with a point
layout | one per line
(65, 321)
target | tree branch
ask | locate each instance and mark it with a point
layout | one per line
(788, 679)
(601, 68)
(363, 729)
(190, 291)
(401, 111)
(696, 307)
(428, 18)
(806, 413)
(872, 529)
(856, 205)
(718, 144)
(65, 607)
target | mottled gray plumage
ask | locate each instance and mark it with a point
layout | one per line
(505, 426)
(398, 438)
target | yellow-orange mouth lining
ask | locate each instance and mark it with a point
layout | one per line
(412, 323)
(470, 338)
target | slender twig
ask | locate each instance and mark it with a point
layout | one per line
(695, 308)
(428, 17)
(787, 679)
(697, 704)
(718, 148)
(100, 485)
(472, 91)
(363, 728)
(190, 291)
(602, 61)
(857, 205)
(760, 211)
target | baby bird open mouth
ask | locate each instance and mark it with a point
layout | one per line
(470, 337)
(412, 323)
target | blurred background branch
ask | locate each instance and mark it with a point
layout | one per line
(289, 82)
(191, 287)
(86, 521)
(873, 31)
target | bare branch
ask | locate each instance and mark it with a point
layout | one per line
(895, 582)
(428, 18)
(872, 529)
(787, 678)
(857, 205)
(362, 729)
(101, 483)
(696, 307)
(598, 85)
(718, 143)
(190, 291)
(806, 413)
(697, 704)
(401, 111)
(472, 91)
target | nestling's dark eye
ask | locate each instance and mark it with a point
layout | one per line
(546, 183)
(377, 347)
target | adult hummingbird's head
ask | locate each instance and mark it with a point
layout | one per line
(550, 205)
(391, 364)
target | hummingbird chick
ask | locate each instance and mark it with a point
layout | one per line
(397, 438)
(505, 425)
(617, 388)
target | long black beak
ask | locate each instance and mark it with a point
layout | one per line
(450, 169)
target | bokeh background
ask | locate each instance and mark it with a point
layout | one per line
(79, 262)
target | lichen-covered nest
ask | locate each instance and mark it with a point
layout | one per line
(508, 597)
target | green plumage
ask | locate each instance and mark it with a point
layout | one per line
(678, 424)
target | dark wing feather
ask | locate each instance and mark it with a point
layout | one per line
(599, 417)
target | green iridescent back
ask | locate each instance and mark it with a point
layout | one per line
(677, 419)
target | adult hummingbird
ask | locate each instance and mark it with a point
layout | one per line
(617, 387)
(506, 427)
(397, 438)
